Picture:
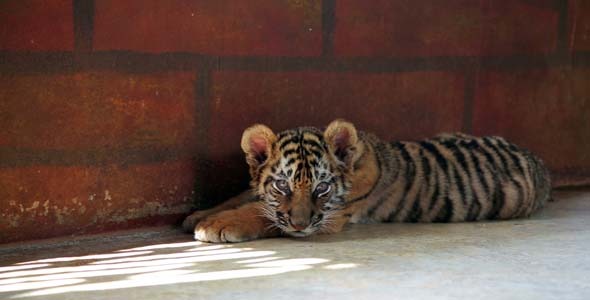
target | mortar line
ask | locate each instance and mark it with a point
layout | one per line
(328, 27)
(203, 85)
(562, 49)
(83, 14)
(24, 157)
(14, 62)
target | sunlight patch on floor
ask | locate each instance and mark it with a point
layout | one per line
(171, 255)
(123, 265)
(206, 248)
(86, 257)
(38, 285)
(179, 276)
(86, 274)
(161, 264)
(288, 263)
(25, 267)
(340, 266)
(256, 260)
(163, 246)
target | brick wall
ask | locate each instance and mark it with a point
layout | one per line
(123, 113)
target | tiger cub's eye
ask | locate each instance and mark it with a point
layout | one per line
(282, 186)
(322, 189)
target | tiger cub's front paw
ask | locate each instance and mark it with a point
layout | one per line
(228, 226)
(189, 223)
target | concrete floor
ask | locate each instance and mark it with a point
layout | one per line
(546, 257)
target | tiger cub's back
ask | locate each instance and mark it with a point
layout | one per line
(458, 177)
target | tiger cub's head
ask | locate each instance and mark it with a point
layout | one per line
(302, 175)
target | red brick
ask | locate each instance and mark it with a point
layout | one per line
(36, 25)
(543, 110)
(40, 202)
(443, 28)
(90, 110)
(223, 27)
(394, 106)
(579, 25)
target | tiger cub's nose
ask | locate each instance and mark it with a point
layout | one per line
(299, 225)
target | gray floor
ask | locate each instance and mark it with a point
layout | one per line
(546, 257)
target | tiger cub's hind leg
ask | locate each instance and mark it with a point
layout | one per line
(189, 223)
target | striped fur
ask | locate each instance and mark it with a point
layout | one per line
(449, 178)
(453, 178)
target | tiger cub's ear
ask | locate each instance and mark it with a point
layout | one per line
(257, 144)
(343, 142)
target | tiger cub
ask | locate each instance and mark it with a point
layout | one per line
(306, 181)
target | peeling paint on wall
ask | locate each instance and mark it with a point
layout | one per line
(106, 212)
(152, 208)
(107, 196)
(33, 206)
(51, 201)
(61, 214)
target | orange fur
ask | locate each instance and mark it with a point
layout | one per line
(305, 181)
